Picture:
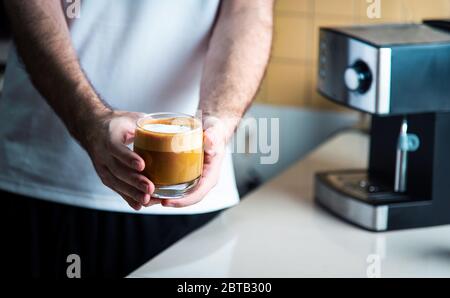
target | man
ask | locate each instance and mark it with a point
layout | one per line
(76, 81)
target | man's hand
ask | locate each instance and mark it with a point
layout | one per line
(214, 146)
(42, 38)
(232, 73)
(119, 168)
(231, 76)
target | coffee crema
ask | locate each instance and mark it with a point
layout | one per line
(172, 149)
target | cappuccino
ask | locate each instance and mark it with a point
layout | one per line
(172, 148)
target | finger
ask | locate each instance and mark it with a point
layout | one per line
(210, 140)
(128, 138)
(133, 204)
(127, 156)
(203, 187)
(209, 144)
(153, 201)
(213, 142)
(126, 189)
(123, 128)
(208, 181)
(131, 177)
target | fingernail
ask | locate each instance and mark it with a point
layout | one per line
(166, 204)
(145, 188)
(144, 199)
(136, 165)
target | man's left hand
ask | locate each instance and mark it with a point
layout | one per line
(214, 152)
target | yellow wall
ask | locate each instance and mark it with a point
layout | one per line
(291, 75)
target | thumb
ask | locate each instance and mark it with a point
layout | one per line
(122, 127)
(209, 142)
(214, 141)
(128, 137)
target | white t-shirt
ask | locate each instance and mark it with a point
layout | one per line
(140, 55)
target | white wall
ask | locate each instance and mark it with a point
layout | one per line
(301, 130)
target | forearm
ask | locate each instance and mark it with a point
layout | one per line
(43, 41)
(237, 57)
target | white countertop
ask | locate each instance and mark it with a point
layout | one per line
(278, 231)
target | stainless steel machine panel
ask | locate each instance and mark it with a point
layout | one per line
(354, 73)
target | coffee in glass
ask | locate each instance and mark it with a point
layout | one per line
(171, 145)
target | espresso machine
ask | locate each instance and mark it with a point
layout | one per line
(400, 74)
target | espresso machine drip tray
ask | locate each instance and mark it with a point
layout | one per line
(354, 196)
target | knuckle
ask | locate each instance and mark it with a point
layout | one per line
(107, 144)
(126, 198)
(136, 183)
(137, 179)
(129, 158)
(112, 148)
(130, 191)
(113, 166)
(113, 184)
(104, 181)
(136, 194)
(104, 178)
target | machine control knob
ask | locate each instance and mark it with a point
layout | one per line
(358, 77)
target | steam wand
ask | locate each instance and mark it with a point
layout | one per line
(406, 143)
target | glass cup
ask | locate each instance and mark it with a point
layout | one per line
(171, 145)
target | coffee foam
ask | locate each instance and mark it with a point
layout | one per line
(166, 128)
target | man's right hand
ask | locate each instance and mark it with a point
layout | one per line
(43, 40)
(106, 139)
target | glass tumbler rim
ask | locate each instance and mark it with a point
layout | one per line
(170, 115)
